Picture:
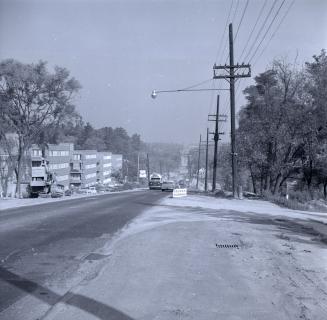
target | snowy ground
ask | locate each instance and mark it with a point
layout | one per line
(170, 263)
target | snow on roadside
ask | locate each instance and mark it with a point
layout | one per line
(245, 205)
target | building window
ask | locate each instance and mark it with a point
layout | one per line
(62, 178)
(36, 164)
(91, 156)
(76, 157)
(90, 166)
(36, 153)
(90, 175)
(106, 165)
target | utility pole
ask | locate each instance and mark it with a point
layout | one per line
(138, 167)
(231, 77)
(216, 134)
(197, 175)
(148, 166)
(206, 173)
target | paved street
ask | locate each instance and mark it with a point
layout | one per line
(48, 244)
(173, 258)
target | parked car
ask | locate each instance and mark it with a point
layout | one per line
(168, 186)
(57, 190)
(92, 190)
(68, 192)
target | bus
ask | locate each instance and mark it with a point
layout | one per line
(155, 181)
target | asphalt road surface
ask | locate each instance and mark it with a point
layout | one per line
(45, 245)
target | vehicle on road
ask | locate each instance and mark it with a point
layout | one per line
(92, 190)
(155, 181)
(167, 186)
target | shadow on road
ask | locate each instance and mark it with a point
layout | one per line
(96, 308)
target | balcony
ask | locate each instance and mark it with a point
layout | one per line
(75, 179)
(39, 172)
(37, 183)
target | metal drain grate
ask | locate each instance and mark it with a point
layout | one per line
(228, 246)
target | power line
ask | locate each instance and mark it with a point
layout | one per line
(274, 33)
(272, 21)
(258, 35)
(254, 26)
(197, 84)
(260, 29)
(223, 35)
(220, 48)
(236, 8)
(240, 23)
(234, 15)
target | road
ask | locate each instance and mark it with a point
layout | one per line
(49, 244)
(196, 257)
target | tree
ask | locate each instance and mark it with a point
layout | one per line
(272, 126)
(32, 100)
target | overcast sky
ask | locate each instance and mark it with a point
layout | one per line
(121, 50)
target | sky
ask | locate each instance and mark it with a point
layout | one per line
(121, 50)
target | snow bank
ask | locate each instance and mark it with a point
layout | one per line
(245, 205)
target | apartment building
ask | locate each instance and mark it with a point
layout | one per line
(56, 161)
(104, 166)
(59, 159)
(117, 162)
(83, 168)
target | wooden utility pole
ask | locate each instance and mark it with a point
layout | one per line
(148, 166)
(231, 77)
(216, 134)
(138, 167)
(198, 171)
(215, 138)
(206, 173)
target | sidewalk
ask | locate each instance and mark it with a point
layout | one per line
(167, 265)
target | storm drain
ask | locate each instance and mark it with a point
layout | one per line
(227, 246)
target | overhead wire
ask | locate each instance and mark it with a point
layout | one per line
(225, 28)
(197, 84)
(275, 31)
(240, 23)
(253, 28)
(225, 109)
(272, 21)
(233, 18)
(257, 45)
(235, 37)
(261, 29)
(220, 53)
(272, 36)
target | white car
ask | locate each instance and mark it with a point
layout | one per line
(92, 190)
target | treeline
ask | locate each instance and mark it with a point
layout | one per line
(282, 133)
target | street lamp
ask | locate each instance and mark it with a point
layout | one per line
(155, 92)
